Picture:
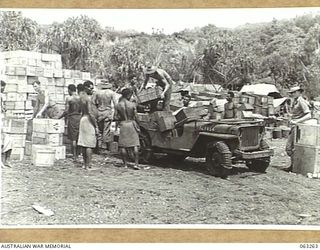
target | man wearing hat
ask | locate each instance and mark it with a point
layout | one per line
(163, 80)
(104, 100)
(300, 113)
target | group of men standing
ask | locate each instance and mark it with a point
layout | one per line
(90, 112)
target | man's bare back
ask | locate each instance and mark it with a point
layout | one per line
(103, 99)
(126, 110)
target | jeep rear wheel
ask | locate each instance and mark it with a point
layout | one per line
(218, 159)
(260, 165)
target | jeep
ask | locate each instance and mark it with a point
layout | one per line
(221, 142)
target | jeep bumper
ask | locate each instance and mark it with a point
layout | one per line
(255, 154)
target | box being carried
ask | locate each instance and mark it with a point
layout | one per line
(150, 94)
(50, 126)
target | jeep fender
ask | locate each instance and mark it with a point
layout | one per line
(200, 146)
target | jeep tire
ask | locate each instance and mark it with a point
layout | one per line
(218, 159)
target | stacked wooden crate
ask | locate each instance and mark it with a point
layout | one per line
(262, 104)
(19, 69)
(18, 66)
(17, 130)
(307, 149)
(215, 108)
(48, 134)
(265, 105)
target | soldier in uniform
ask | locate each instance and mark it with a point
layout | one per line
(104, 100)
(300, 113)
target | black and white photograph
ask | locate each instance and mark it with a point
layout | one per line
(160, 117)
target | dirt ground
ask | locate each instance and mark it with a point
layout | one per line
(166, 193)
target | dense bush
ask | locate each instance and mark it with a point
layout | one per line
(284, 52)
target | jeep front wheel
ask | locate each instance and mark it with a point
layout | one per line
(218, 159)
(260, 165)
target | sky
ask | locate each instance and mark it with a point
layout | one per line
(168, 20)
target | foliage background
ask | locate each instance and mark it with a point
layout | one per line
(284, 53)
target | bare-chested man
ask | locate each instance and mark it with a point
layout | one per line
(104, 100)
(163, 80)
(125, 114)
(73, 114)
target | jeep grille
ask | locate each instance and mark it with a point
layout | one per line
(249, 138)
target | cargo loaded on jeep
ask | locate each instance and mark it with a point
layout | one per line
(222, 143)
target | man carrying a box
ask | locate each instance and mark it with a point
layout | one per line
(300, 113)
(104, 100)
(163, 80)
